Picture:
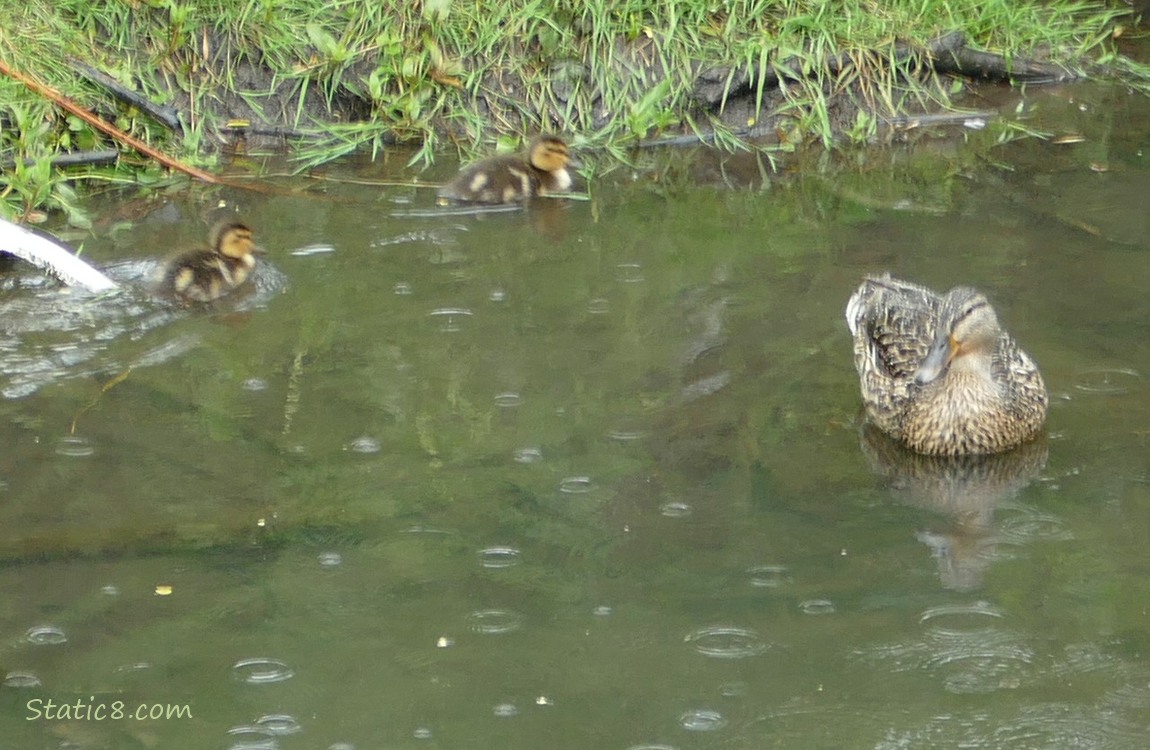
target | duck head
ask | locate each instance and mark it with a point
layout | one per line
(968, 326)
(548, 153)
(233, 239)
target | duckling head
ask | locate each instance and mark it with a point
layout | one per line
(549, 154)
(968, 329)
(233, 239)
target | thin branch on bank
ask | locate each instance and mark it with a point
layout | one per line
(110, 130)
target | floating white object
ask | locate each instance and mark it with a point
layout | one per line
(52, 256)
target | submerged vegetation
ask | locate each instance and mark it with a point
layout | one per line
(330, 78)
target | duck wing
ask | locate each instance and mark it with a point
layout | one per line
(893, 323)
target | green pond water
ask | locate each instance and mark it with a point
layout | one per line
(590, 475)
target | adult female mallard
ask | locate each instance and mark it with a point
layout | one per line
(514, 178)
(210, 273)
(938, 373)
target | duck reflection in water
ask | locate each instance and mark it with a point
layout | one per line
(965, 489)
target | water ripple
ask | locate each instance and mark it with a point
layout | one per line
(1060, 725)
(702, 720)
(959, 614)
(598, 306)
(979, 661)
(623, 435)
(308, 250)
(675, 509)
(279, 725)
(250, 737)
(449, 318)
(506, 710)
(254, 384)
(576, 485)
(817, 607)
(21, 680)
(1031, 525)
(769, 576)
(508, 400)
(527, 455)
(726, 642)
(262, 671)
(1107, 381)
(499, 557)
(629, 273)
(734, 689)
(330, 559)
(46, 635)
(75, 446)
(363, 444)
(1129, 697)
(494, 621)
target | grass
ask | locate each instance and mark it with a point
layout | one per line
(348, 74)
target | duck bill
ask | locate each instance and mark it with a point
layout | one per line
(941, 354)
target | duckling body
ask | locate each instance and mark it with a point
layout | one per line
(206, 275)
(514, 178)
(938, 373)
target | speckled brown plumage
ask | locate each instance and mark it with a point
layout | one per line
(513, 178)
(938, 373)
(208, 274)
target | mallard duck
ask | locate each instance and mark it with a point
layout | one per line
(208, 274)
(938, 373)
(514, 178)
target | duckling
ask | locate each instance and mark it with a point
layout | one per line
(206, 275)
(514, 178)
(939, 373)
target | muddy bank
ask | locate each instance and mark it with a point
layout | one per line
(260, 108)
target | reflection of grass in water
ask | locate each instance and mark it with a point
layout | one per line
(362, 75)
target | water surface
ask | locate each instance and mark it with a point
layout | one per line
(592, 474)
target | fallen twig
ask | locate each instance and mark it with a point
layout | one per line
(166, 116)
(110, 130)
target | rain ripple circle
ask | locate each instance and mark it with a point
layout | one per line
(262, 671)
(702, 720)
(279, 724)
(494, 621)
(769, 576)
(45, 635)
(499, 557)
(1106, 381)
(74, 446)
(726, 642)
(506, 710)
(576, 485)
(817, 607)
(250, 737)
(363, 444)
(21, 680)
